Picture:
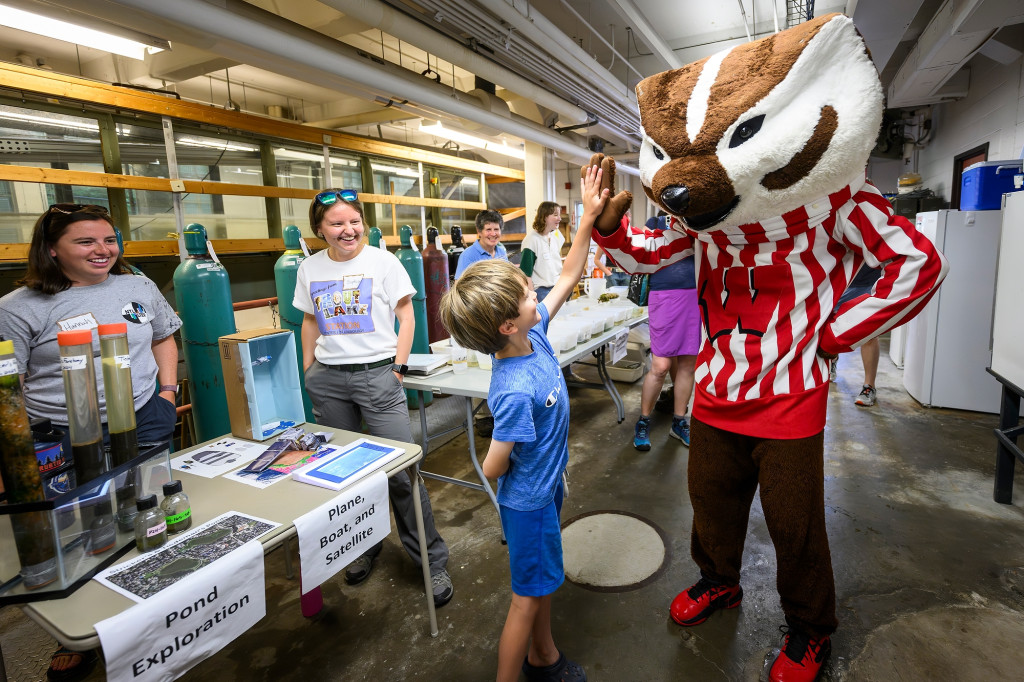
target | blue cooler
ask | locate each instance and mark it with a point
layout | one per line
(984, 184)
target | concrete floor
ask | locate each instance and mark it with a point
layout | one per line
(929, 570)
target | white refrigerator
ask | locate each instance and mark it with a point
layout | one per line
(948, 345)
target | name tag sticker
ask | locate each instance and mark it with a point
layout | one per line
(83, 321)
(123, 361)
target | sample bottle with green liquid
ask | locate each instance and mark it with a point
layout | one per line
(120, 400)
(86, 431)
(33, 531)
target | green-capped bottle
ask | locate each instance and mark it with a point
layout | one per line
(176, 508)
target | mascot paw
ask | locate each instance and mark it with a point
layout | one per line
(611, 217)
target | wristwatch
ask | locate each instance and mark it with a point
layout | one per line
(173, 388)
(401, 369)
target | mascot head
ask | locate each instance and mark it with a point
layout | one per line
(761, 129)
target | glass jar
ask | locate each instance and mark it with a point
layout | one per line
(176, 508)
(19, 468)
(150, 525)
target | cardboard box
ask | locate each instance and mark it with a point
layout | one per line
(983, 185)
(261, 380)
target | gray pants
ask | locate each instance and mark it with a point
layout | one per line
(342, 399)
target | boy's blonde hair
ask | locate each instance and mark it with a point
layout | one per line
(486, 296)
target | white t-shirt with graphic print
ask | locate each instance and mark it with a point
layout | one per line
(354, 304)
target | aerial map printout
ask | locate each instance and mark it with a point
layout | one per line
(147, 574)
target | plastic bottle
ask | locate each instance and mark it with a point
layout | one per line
(33, 531)
(118, 391)
(150, 525)
(86, 433)
(176, 508)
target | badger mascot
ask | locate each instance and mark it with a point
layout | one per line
(758, 155)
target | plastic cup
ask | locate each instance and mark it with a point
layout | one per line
(460, 358)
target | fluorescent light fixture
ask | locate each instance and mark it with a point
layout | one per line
(56, 121)
(282, 153)
(216, 144)
(73, 33)
(437, 129)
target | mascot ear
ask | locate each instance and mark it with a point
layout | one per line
(611, 217)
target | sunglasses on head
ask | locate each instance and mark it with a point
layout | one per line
(70, 209)
(331, 196)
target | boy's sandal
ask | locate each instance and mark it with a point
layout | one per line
(81, 664)
(562, 670)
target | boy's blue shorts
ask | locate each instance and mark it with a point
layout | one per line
(535, 547)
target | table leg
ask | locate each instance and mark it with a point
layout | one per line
(609, 385)
(1006, 458)
(476, 464)
(417, 481)
(424, 438)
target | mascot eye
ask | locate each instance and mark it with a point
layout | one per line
(745, 131)
(657, 153)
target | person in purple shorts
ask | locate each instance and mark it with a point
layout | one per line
(674, 319)
(492, 309)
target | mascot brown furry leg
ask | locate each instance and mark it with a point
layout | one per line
(758, 154)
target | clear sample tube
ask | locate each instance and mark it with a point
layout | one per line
(120, 400)
(90, 461)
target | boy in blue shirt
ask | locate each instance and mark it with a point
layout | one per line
(492, 309)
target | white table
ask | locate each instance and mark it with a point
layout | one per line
(71, 620)
(474, 383)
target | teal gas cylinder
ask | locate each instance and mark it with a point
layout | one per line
(285, 271)
(435, 271)
(412, 261)
(375, 237)
(202, 292)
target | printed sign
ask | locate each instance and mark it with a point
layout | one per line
(334, 534)
(172, 631)
(618, 345)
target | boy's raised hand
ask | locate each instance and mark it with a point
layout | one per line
(594, 193)
(610, 217)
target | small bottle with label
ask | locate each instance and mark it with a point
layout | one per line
(176, 508)
(150, 525)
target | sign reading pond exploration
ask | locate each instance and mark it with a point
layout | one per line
(334, 534)
(166, 635)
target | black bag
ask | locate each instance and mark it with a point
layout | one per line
(639, 286)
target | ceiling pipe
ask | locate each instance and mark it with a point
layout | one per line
(635, 18)
(385, 18)
(508, 46)
(628, 10)
(367, 117)
(250, 35)
(541, 31)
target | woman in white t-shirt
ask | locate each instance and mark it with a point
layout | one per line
(350, 295)
(542, 249)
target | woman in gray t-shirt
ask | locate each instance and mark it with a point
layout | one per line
(77, 279)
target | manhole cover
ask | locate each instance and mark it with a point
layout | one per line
(612, 551)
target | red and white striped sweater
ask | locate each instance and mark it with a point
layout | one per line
(767, 291)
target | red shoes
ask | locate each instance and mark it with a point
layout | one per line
(693, 606)
(802, 657)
